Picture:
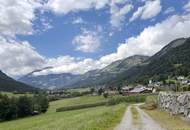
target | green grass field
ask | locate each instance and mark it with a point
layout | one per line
(78, 90)
(168, 121)
(98, 118)
(10, 94)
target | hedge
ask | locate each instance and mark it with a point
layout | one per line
(112, 101)
(76, 107)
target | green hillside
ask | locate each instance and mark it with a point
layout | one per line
(8, 84)
(172, 60)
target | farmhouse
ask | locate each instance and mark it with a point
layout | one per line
(136, 90)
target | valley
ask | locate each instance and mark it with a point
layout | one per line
(94, 64)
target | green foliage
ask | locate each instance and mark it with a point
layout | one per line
(15, 107)
(98, 118)
(8, 84)
(24, 105)
(82, 106)
(151, 103)
(100, 91)
(105, 94)
(8, 108)
(172, 62)
(128, 99)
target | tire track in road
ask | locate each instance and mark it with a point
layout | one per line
(147, 123)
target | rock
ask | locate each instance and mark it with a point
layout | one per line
(175, 103)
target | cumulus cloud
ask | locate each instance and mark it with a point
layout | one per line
(17, 16)
(118, 14)
(169, 10)
(153, 38)
(67, 6)
(149, 10)
(78, 20)
(18, 58)
(88, 41)
(187, 6)
(148, 42)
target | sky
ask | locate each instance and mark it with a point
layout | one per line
(76, 36)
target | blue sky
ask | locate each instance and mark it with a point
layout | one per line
(58, 39)
(76, 36)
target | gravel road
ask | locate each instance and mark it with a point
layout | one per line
(146, 122)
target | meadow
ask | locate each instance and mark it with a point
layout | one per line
(97, 118)
(10, 94)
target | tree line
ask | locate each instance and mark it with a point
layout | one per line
(17, 107)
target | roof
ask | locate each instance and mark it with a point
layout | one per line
(138, 90)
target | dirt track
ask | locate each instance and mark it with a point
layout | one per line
(146, 122)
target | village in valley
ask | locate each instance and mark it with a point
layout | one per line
(178, 84)
(95, 65)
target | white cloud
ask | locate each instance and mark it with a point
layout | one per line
(149, 10)
(148, 42)
(153, 38)
(67, 6)
(78, 20)
(17, 16)
(187, 6)
(169, 10)
(88, 41)
(118, 14)
(18, 58)
(68, 64)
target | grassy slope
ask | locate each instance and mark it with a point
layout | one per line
(167, 121)
(99, 118)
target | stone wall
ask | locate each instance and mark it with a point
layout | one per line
(175, 103)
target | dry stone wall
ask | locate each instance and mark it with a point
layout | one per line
(175, 103)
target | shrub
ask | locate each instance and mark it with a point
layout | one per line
(151, 103)
(129, 99)
(76, 107)
(105, 95)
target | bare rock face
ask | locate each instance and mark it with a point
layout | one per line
(175, 103)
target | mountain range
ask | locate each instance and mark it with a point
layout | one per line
(173, 59)
(91, 78)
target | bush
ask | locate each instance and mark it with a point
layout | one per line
(151, 103)
(105, 95)
(129, 99)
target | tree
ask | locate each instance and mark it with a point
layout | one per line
(40, 103)
(8, 108)
(92, 90)
(105, 94)
(100, 91)
(24, 106)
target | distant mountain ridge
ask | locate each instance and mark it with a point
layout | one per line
(94, 77)
(173, 59)
(10, 85)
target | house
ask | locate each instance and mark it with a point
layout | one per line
(126, 89)
(137, 90)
